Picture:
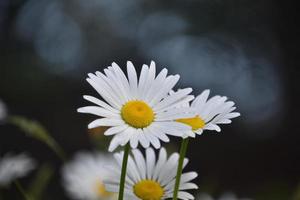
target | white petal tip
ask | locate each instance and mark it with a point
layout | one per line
(189, 89)
(206, 91)
(86, 96)
(80, 110)
(91, 126)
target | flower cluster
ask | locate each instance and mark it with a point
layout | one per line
(144, 110)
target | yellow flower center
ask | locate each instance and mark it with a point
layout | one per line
(194, 122)
(137, 114)
(148, 190)
(101, 191)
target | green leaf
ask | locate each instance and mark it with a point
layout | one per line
(37, 131)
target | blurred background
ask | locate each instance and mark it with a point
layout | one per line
(246, 50)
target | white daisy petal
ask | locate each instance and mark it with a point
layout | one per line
(199, 132)
(134, 140)
(104, 93)
(169, 171)
(156, 176)
(162, 158)
(106, 84)
(232, 115)
(150, 162)
(224, 121)
(138, 103)
(212, 127)
(116, 84)
(132, 78)
(188, 177)
(121, 76)
(110, 84)
(142, 80)
(185, 195)
(154, 138)
(173, 128)
(211, 105)
(105, 122)
(174, 98)
(177, 113)
(158, 133)
(141, 163)
(133, 169)
(208, 113)
(127, 133)
(183, 102)
(144, 141)
(201, 99)
(115, 130)
(100, 103)
(159, 81)
(96, 110)
(188, 186)
(162, 92)
(114, 143)
(149, 80)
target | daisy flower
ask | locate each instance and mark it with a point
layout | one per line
(3, 111)
(225, 196)
(137, 110)
(15, 166)
(83, 177)
(148, 179)
(208, 113)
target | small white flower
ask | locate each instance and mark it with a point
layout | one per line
(208, 113)
(137, 111)
(83, 176)
(15, 166)
(225, 196)
(148, 179)
(3, 110)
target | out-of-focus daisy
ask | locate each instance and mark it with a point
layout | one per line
(209, 113)
(148, 179)
(137, 111)
(15, 166)
(225, 196)
(3, 111)
(83, 177)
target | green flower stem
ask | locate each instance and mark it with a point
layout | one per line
(123, 173)
(183, 148)
(22, 190)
